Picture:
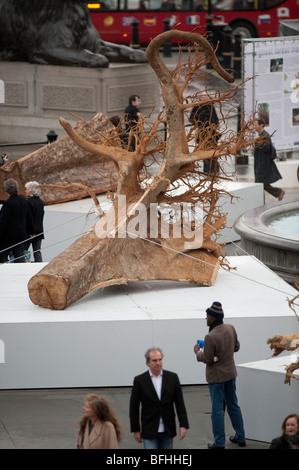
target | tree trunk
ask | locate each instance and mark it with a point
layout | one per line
(62, 162)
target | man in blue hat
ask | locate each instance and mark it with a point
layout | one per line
(220, 344)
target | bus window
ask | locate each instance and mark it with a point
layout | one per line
(154, 4)
(168, 5)
(224, 5)
(190, 5)
(234, 5)
(143, 5)
(239, 5)
(102, 6)
(199, 5)
(271, 3)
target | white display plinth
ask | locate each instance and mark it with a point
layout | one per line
(264, 398)
(289, 174)
(65, 222)
(100, 340)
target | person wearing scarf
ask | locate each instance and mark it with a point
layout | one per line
(290, 434)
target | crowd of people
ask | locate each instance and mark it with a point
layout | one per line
(207, 126)
(157, 397)
(21, 223)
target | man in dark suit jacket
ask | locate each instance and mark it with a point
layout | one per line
(15, 223)
(157, 391)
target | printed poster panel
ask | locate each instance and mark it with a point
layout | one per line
(273, 93)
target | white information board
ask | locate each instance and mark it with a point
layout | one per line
(273, 92)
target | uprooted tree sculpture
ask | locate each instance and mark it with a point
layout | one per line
(95, 261)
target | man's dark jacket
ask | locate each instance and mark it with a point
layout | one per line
(15, 221)
(144, 393)
(265, 169)
(204, 115)
(131, 116)
(37, 210)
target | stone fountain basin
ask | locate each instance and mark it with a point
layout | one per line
(279, 251)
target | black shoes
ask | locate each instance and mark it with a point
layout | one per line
(232, 440)
(239, 443)
(213, 446)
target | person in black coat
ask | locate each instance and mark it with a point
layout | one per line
(290, 434)
(37, 210)
(157, 391)
(206, 119)
(132, 115)
(15, 223)
(265, 170)
(3, 159)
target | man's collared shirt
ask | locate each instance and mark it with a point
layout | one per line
(157, 383)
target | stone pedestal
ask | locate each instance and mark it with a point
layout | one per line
(264, 398)
(35, 96)
(100, 340)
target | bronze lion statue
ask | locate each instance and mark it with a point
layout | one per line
(56, 32)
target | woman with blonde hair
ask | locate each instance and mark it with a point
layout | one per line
(99, 428)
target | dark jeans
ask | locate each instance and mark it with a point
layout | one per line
(163, 441)
(17, 251)
(220, 392)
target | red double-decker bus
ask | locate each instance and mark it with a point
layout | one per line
(114, 19)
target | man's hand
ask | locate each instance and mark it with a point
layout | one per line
(137, 436)
(182, 433)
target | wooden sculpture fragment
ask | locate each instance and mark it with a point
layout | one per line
(129, 243)
(62, 162)
(282, 343)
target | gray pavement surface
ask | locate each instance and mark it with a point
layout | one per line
(48, 419)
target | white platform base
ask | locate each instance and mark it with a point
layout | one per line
(64, 223)
(264, 398)
(100, 341)
(288, 171)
